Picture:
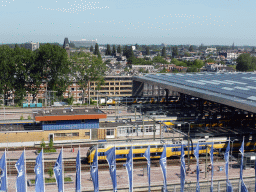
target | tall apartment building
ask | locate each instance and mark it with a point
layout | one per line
(32, 46)
(115, 86)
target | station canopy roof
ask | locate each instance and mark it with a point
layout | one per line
(233, 89)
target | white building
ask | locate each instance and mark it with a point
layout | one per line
(32, 46)
(84, 43)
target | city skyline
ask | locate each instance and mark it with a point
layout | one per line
(219, 22)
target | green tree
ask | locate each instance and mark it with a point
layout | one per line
(164, 70)
(22, 58)
(108, 51)
(147, 50)
(42, 144)
(253, 50)
(96, 49)
(7, 70)
(113, 50)
(52, 67)
(245, 62)
(164, 52)
(91, 49)
(89, 68)
(198, 63)
(175, 51)
(50, 172)
(119, 50)
(192, 69)
(51, 144)
(159, 59)
(186, 54)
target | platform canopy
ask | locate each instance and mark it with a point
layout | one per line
(233, 89)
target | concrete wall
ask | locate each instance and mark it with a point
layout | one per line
(19, 138)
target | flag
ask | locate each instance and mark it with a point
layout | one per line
(243, 186)
(196, 153)
(3, 181)
(78, 172)
(39, 170)
(129, 168)
(226, 157)
(163, 166)
(21, 176)
(111, 158)
(147, 156)
(182, 170)
(211, 159)
(94, 171)
(58, 173)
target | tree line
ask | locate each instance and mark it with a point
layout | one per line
(24, 71)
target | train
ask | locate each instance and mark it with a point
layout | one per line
(138, 100)
(156, 148)
(172, 149)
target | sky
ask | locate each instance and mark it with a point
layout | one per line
(174, 22)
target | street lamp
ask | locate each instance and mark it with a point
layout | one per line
(232, 150)
(189, 145)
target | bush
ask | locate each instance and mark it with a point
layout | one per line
(42, 144)
(21, 117)
(51, 144)
(50, 172)
(29, 117)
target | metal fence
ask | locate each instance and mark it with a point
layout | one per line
(218, 186)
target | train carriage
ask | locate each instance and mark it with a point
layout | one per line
(156, 148)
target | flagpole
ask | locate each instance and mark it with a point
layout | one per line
(80, 166)
(132, 167)
(43, 167)
(25, 171)
(62, 168)
(6, 170)
(97, 167)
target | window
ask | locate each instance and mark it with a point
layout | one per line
(110, 132)
(87, 134)
(76, 134)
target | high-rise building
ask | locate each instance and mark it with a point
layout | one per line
(32, 46)
(84, 43)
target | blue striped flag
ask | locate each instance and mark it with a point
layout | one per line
(243, 186)
(58, 173)
(182, 170)
(111, 159)
(147, 156)
(163, 167)
(39, 170)
(3, 184)
(196, 153)
(21, 177)
(94, 171)
(226, 157)
(78, 172)
(129, 168)
(211, 158)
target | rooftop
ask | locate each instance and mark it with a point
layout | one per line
(232, 89)
(69, 114)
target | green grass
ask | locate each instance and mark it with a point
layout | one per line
(47, 150)
(52, 180)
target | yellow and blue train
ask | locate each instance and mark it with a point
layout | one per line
(156, 148)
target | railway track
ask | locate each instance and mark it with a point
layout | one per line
(70, 164)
